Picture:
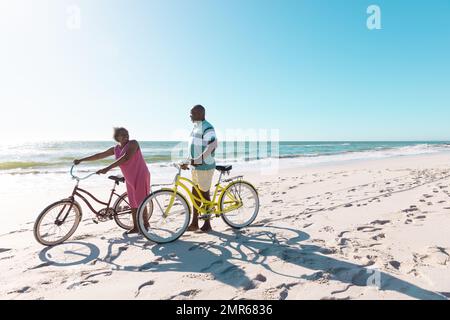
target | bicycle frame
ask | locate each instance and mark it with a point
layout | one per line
(78, 192)
(219, 191)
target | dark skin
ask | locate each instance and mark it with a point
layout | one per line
(123, 139)
(198, 114)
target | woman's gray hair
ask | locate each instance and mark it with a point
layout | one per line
(119, 130)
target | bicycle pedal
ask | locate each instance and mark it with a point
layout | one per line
(95, 221)
(205, 217)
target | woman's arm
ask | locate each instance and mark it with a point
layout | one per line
(133, 146)
(97, 156)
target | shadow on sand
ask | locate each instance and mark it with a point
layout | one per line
(223, 257)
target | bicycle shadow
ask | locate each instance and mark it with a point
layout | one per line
(190, 257)
(224, 260)
(316, 258)
(68, 254)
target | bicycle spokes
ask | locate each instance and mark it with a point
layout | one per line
(51, 229)
(240, 204)
(169, 218)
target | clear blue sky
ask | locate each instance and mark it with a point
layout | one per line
(309, 68)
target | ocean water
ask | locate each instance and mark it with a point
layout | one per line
(54, 157)
(33, 175)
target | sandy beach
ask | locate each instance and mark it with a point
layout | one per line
(366, 229)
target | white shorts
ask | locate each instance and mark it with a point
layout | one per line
(203, 179)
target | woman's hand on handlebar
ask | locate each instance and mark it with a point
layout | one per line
(103, 171)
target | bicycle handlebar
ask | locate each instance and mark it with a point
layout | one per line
(80, 178)
(178, 166)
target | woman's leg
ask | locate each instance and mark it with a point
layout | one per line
(132, 199)
(134, 214)
(141, 191)
(146, 219)
(134, 217)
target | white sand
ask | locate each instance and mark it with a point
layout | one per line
(375, 229)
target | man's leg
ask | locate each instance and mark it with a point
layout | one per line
(207, 225)
(194, 224)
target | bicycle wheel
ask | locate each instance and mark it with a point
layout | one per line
(57, 222)
(122, 215)
(243, 195)
(169, 219)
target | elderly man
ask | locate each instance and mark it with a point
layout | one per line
(202, 146)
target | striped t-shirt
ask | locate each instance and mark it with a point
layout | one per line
(202, 135)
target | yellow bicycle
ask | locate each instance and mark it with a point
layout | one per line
(234, 199)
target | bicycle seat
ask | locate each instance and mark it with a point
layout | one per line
(117, 179)
(224, 168)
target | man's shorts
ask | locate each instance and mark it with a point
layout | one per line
(203, 179)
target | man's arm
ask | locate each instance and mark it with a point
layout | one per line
(97, 156)
(209, 149)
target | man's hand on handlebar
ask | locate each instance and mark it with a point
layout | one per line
(184, 166)
(76, 162)
(190, 162)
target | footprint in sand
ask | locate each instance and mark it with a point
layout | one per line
(83, 283)
(368, 229)
(395, 264)
(340, 235)
(380, 222)
(280, 292)
(82, 237)
(185, 295)
(379, 236)
(261, 278)
(104, 273)
(253, 284)
(411, 209)
(326, 229)
(261, 223)
(25, 289)
(42, 265)
(145, 284)
(434, 256)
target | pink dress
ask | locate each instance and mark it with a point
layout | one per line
(136, 174)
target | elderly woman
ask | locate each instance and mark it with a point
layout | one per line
(132, 164)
